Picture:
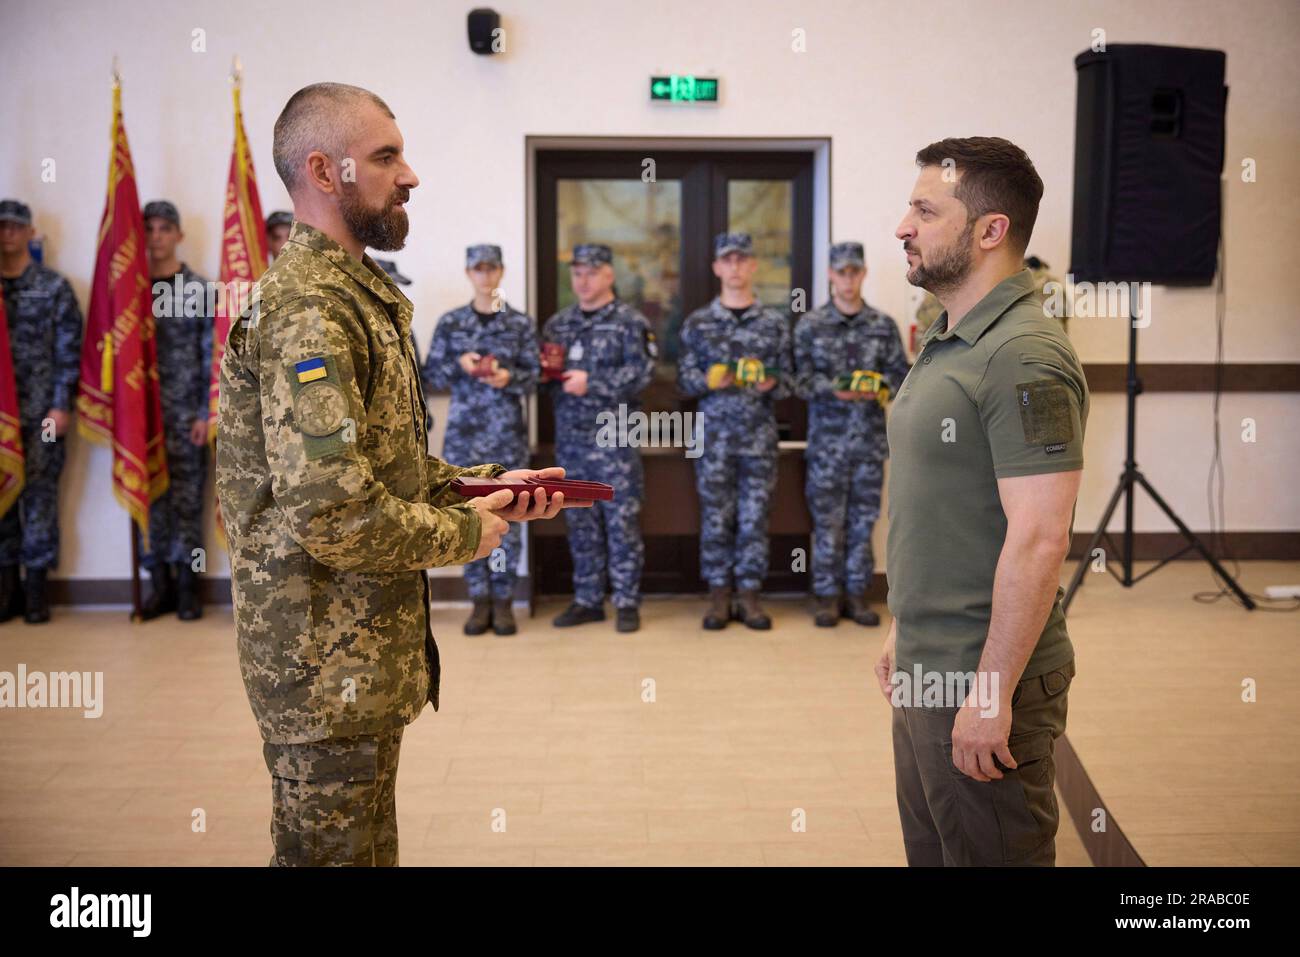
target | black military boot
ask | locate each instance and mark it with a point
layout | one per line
(748, 611)
(37, 611)
(503, 616)
(11, 593)
(162, 593)
(577, 614)
(827, 614)
(189, 606)
(856, 607)
(719, 613)
(627, 620)
(480, 618)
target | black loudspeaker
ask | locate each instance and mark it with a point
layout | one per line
(1148, 154)
(483, 22)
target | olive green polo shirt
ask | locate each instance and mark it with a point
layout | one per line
(1002, 394)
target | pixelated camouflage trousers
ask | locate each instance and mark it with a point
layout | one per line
(494, 576)
(466, 445)
(735, 493)
(334, 802)
(843, 495)
(29, 531)
(176, 517)
(605, 541)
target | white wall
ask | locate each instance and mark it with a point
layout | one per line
(879, 78)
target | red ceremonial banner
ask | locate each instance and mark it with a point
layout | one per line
(118, 402)
(243, 253)
(11, 435)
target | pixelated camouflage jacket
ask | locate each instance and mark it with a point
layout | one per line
(332, 505)
(829, 344)
(482, 420)
(741, 420)
(183, 330)
(617, 350)
(45, 327)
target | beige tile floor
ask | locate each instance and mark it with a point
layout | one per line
(1193, 774)
(551, 729)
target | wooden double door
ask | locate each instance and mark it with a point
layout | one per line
(659, 212)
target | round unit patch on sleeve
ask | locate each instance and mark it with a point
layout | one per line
(320, 408)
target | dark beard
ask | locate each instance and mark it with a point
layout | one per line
(383, 229)
(950, 267)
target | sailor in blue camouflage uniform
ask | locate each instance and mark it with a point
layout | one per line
(45, 343)
(609, 357)
(486, 418)
(847, 447)
(278, 225)
(183, 322)
(389, 266)
(735, 475)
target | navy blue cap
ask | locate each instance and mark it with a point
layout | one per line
(847, 254)
(14, 211)
(482, 253)
(724, 243)
(591, 254)
(163, 208)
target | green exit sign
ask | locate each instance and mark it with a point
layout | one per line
(684, 89)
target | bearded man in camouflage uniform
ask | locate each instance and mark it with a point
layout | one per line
(332, 504)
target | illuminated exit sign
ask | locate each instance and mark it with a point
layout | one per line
(684, 89)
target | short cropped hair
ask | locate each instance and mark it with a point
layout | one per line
(996, 177)
(315, 118)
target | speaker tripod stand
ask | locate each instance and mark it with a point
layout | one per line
(1129, 480)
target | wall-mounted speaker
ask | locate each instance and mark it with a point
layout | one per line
(1148, 154)
(483, 24)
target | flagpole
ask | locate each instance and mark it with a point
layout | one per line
(135, 569)
(130, 522)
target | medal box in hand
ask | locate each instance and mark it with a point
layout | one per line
(863, 380)
(744, 372)
(574, 490)
(552, 361)
(486, 367)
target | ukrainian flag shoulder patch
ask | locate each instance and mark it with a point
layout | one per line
(309, 370)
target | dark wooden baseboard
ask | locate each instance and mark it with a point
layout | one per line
(1195, 376)
(1243, 546)
(117, 591)
(216, 591)
(1106, 848)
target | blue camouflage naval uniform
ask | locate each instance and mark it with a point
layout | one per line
(735, 475)
(617, 350)
(486, 424)
(45, 340)
(184, 338)
(847, 447)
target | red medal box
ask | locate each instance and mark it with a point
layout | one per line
(486, 367)
(552, 361)
(573, 489)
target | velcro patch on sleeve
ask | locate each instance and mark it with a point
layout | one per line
(1045, 413)
(320, 406)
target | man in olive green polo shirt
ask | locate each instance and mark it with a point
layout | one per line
(986, 449)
